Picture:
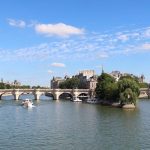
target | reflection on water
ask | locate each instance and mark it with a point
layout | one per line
(73, 126)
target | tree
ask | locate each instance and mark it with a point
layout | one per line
(107, 88)
(2, 85)
(128, 91)
(135, 78)
(128, 97)
(143, 85)
(70, 83)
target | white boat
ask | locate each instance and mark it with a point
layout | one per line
(76, 99)
(27, 103)
(92, 101)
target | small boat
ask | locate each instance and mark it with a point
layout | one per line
(76, 99)
(27, 103)
(92, 101)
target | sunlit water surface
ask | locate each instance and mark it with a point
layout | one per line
(64, 125)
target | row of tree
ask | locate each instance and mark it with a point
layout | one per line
(125, 91)
(72, 83)
(8, 86)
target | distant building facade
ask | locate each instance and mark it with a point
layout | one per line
(92, 82)
(15, 83)
(55, 82)
(86, 77)
(118, 74)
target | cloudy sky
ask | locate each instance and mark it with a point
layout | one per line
(42, 39)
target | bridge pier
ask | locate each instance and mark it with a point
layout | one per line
(56, 96)
(16, 96)
(37, 95)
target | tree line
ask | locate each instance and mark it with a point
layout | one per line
(8, 86)
(72, 83)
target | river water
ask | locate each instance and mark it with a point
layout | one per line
(65, 125)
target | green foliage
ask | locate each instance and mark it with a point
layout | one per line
(70, 83)
(135, 78)
(25, 87)
(143, 85)
(128, 97)
(106, 77)
(38, 87)
(126, 90)
(8, 86)
(128, 83)
(107, 88)
(4, 86)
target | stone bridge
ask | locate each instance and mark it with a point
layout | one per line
(144, 93)
(55, 93)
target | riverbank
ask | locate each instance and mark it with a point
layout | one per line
(112, 104)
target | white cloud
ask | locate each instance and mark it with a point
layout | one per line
(59, 29)
(147, 33)
(16, 23)
(103, 55)
(123, 37)
(88, 47)
(50, 72)
(146, 46)
(58, 65)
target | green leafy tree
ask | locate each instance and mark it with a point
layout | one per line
(2, 86)
(107, 88)
(135, 78)
(143, 85)
(128, 91)
(70, 83)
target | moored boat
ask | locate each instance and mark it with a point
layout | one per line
(76, 99)
(92, 101)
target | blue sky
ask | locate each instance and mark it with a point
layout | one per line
(42, 39)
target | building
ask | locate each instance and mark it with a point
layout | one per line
(118, 74)
(141, 78)
(91, 82)
(55, 82)
(86, 74)
(87, 78)
(15, 83)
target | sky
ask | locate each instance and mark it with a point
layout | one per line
(42, 39)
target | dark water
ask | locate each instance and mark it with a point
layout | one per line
(64, 125)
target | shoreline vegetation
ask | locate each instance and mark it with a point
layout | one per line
(122, 93)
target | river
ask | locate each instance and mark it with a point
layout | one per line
(65, 125)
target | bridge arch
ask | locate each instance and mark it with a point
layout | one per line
(65, 95)
(9, 94)
(49, 94)
(83, 96)
(24, 95)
